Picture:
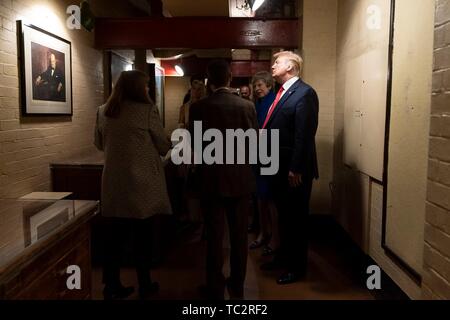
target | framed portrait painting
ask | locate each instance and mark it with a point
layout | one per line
(46, 72)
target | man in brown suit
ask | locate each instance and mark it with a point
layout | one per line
(225, 188)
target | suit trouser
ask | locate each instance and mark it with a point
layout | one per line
(293, 209)
(236, 211)
(115, 233)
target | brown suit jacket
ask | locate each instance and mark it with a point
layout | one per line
(223, 110)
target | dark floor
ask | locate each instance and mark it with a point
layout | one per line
(336, 270)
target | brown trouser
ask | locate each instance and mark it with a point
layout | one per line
(236, 211)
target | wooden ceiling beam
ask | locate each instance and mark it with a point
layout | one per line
(197, 33)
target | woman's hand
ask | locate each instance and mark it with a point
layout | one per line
(295, 179)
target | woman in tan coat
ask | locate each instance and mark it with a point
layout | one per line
(130, 133)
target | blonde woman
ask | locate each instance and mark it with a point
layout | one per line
(268, 236)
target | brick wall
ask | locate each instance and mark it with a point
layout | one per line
(436, 278)
(28, 145)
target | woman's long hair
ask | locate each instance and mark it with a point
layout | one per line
(198, 91)
(131, 85)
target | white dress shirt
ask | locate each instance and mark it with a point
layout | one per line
(288, 84)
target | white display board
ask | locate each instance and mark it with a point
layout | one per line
(409, 131)
(365, 60)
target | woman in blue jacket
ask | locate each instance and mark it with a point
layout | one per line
(262, 83)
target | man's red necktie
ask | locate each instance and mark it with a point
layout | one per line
(273, 106)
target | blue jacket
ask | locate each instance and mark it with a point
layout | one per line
(262, 107)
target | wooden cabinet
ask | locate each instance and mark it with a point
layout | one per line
(83, 178)
(40, 271)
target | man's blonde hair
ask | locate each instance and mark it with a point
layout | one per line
(295, 59)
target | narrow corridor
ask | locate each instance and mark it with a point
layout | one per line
(336, 271)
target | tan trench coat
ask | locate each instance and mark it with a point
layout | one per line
(133, 181)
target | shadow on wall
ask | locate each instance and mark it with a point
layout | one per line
(45, 120)
(349, 192)
(321, 198)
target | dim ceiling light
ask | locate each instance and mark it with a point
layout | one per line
(179, 70)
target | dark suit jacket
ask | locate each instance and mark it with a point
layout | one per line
(223, 110)
(296, 117)
(49, 88)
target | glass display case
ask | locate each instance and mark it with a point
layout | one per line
(37, 234)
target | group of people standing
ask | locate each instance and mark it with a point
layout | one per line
(129, 132)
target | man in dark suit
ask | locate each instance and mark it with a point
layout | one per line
(50, 83)
(225, 188)
(295, 114)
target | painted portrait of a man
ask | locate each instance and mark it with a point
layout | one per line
(48, 74)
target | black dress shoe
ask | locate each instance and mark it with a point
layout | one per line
(147, 290)
(290, 277)
(117, 292)
(271, 265)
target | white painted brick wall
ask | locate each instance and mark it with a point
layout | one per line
(28, 145)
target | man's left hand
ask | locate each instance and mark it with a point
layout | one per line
(295, 179)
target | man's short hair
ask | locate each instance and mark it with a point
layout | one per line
(294, 59)
(219, 73)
